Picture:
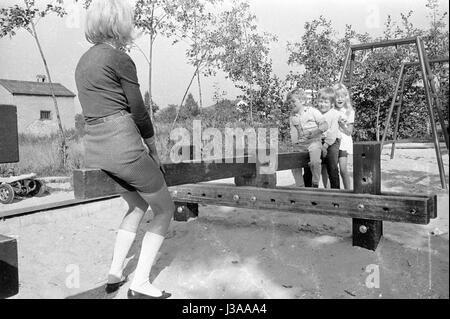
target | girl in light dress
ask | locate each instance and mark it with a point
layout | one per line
(346, 121)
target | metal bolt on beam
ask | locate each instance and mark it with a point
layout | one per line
(236, 198)
(360, 206)
(253, 198)
(180, 209)
(363, 229)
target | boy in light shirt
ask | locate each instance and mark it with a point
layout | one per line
(306, 126)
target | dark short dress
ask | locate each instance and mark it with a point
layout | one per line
(116, 119)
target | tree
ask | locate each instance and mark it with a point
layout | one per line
(191, 106)
(240, 50)
(321, 51)
(148, 103)
(194, 29)
(167, 114)
(170, 18)
(17, 17)
(218, 94)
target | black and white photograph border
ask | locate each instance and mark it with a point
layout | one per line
(227, 101)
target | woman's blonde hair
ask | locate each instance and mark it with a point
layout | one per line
(339, 89)
(110, 20)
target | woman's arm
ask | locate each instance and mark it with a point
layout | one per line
(141, 117)
(126, 72)
(137, 109)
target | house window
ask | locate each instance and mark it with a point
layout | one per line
(45, 115)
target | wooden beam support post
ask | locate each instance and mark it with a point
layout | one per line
(9, 271)
(183, 210)
(367, 179)
(262, 176)
(9, 141)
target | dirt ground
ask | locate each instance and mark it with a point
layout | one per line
(239, 253)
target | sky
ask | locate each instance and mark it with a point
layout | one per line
(63, 42)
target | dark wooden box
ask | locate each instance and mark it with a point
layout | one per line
(9, 141)
(9, 271)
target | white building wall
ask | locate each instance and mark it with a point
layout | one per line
(5, 96)
(29, 110)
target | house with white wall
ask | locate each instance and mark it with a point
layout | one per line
(35, 106)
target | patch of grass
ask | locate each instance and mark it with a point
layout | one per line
(40, 155)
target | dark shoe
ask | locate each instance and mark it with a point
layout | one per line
(137, 295)
(110, 288)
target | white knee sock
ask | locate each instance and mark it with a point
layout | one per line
(123, 244)
(150, 246)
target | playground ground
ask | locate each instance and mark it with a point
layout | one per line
(239, 253)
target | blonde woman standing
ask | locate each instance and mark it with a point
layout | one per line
(117, 127)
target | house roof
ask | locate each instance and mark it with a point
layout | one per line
(35, 88)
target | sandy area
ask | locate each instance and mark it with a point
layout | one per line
(239, 253)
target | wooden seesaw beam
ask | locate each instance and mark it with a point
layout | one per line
(386, 207)
(366, 204)
(91, 183)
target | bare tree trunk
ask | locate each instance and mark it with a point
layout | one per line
(184, 96)
(378, 123)
(198, 73)
(150, 67)
(199, 91)
(63, 143)
(251, 79)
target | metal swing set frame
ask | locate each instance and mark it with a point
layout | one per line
(432, 99)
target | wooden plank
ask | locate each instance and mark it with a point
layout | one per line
(91, 183)
(338, 203)
(292, 160)
(50, 206)
(367, 167)
(9, 272)
(9, 141)
(367, 231)
(263, 176)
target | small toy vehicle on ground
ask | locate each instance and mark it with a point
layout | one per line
(20, 186)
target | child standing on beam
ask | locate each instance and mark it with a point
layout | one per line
(306, 127)
(331, 138)
(344, 107)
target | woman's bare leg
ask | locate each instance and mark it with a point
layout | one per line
(163, 208)
(126, 233)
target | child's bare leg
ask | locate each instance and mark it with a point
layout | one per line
(298, 177)
(344, 172)
(325, 176)
(315, 152)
